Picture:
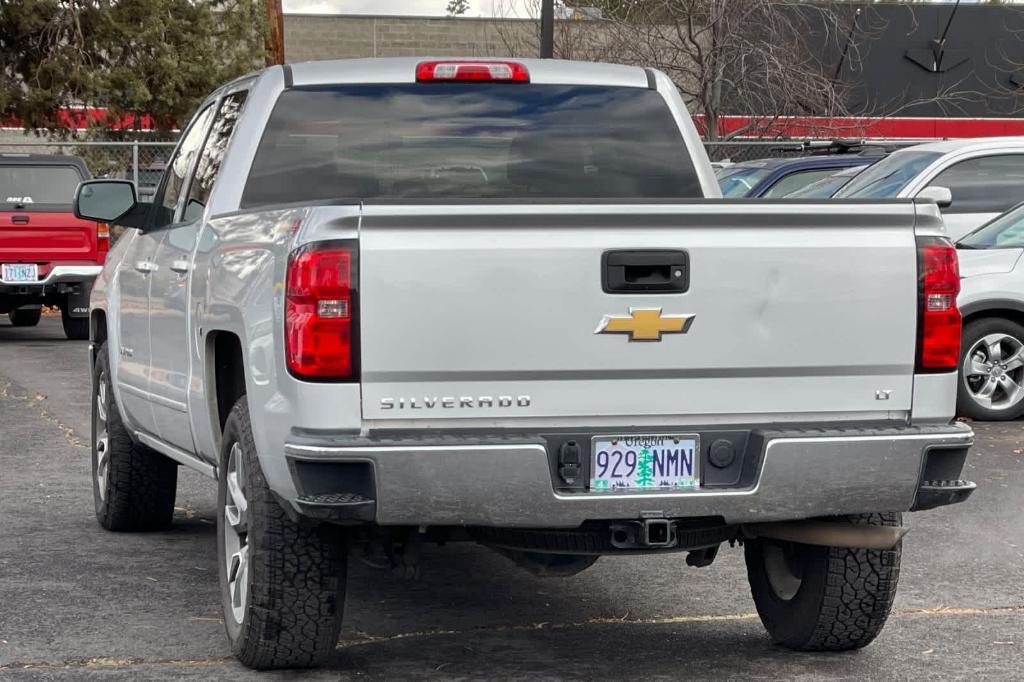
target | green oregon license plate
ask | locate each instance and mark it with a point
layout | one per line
(652, 462)
(19, 272)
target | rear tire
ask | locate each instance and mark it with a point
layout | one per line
(25, 317)
(282, 581)
(75, 328)
(824, 598)
(133, 485)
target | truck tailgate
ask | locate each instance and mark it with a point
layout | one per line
(799, 311)
(37, 236)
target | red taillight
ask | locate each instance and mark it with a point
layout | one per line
(102, 240)
(938, 347)
(485, 71)
(320, 312)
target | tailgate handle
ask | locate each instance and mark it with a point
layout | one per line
(19, 219)
(645, 272)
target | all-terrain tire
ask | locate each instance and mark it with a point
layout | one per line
(25, 317)
(75, 328)
(842, 598)
(138, 488)
(295, 570)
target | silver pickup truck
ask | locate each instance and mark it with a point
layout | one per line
(390, 302)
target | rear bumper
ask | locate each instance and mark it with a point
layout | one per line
(59, 274)
(507, 482)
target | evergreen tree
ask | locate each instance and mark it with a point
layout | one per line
(456, 8)
(645, 468)
(157, 57)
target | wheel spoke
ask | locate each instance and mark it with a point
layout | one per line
(237, 505)
(102, 462)
(238, 578)
(985, 393)
(102, 453)
(101, 400)
(1012, 389)
(977, 368)
(1014, 361)
(995, 348)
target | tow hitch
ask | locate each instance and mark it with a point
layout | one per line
(643, 534)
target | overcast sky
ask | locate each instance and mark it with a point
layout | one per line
(477, 8)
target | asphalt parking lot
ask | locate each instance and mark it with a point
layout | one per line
(79, 602)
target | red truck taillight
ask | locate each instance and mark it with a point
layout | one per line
(321, 333)
(102, 241)
(939, 322)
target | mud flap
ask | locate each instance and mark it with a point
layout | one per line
(78, 301)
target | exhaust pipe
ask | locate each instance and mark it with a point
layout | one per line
(827, 534)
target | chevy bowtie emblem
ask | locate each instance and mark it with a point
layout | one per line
(645, 324)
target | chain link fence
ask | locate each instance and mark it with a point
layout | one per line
(144, 162)
(141, 162)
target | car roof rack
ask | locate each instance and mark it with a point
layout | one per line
(865, 147)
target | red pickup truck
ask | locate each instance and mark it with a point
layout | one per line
(47, 256)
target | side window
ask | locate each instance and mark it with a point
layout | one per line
(167, 201)
(795, 181)
(213, 155)
(987, 184)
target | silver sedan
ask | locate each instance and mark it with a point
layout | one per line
(991, 299)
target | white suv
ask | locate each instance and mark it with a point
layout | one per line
(984, 177)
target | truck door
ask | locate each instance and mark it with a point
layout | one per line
(169, 326)
(167, 292)
(132, 358)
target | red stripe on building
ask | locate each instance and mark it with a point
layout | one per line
(82, 118)
(902, 128)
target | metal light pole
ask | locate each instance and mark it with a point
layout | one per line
(547, 29)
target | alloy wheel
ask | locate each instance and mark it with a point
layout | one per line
(784, 566)
(993, 371)
(235, 529)
(101, 447)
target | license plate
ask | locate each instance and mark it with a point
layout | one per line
(20, 272)
(645, 462)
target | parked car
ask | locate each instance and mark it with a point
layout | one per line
(559, 354)
(774, 178)
(992, 300)
(973, 181)
(47, 255)
(827, 186)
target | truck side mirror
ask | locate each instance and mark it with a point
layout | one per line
(942, 196)
(109, 201)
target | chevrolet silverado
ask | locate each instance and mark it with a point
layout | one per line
(389, 302)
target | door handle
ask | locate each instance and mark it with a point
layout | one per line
(645, 271)
(145, 266)
(180, 266)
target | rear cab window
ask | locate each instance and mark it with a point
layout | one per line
(24, 186)
(473, 141)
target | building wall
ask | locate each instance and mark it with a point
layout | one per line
(308, 37)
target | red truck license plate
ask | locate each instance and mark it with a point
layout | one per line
(20, 272)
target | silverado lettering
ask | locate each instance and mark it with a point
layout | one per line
(449, 402)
